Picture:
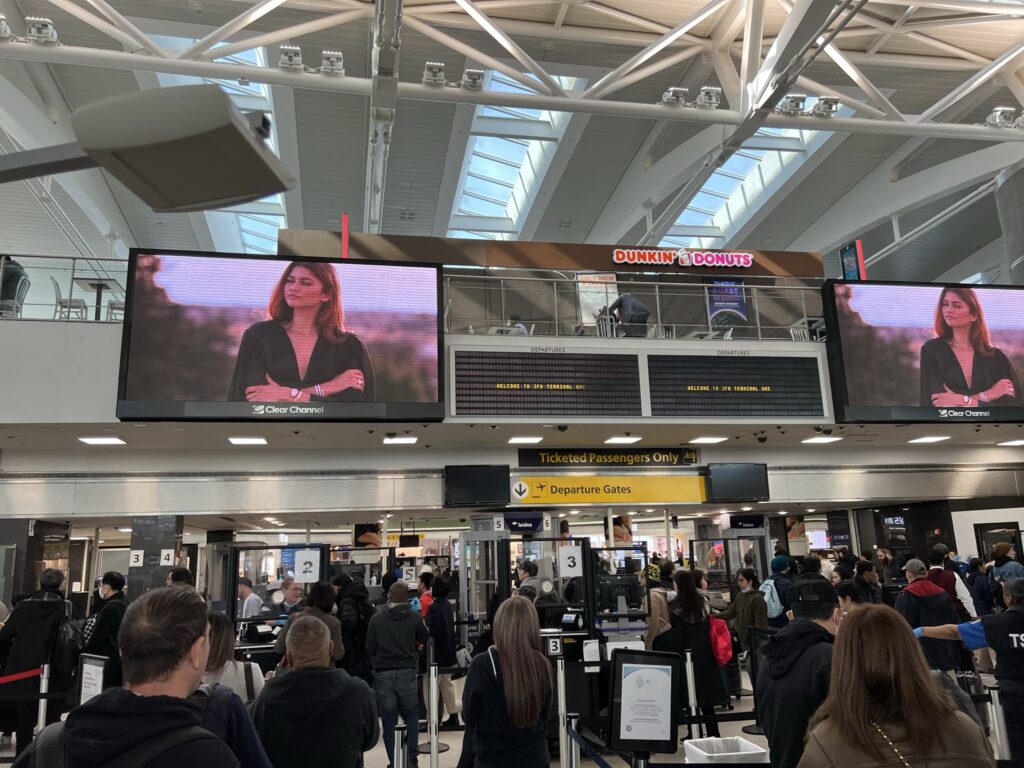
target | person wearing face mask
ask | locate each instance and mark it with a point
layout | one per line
(103, 641)
(793, 679)
(749, 608)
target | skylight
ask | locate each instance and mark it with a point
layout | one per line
(252, 228)
(726, 197)
(508, 155)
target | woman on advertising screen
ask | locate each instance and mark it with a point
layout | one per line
(961, 367)
(303, 353)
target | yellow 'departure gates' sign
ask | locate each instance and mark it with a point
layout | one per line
(608, 489)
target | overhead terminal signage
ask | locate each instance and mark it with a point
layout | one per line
(742, 386)
(660, 257)
(608, 457)
(608, 489)
(511, 383)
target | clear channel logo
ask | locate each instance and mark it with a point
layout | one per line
(963, 413)
(293, 409)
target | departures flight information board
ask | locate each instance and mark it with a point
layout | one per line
(740, 386)
(508, 383)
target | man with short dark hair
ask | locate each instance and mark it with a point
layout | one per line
(392, 640)
(924, 604)
(811, 572)
(180, 577)
(103, 641)
(527, 574)
(252, 604)
(26, 642)
(866, 582)
(793, 680)
(316, 716)
(164, 643)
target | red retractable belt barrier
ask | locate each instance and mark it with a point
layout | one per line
(21, 675)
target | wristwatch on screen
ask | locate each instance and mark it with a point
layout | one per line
(967, 399)
(294, 393)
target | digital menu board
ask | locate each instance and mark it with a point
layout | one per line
(734, 386)
(512, 383)
(905, 352)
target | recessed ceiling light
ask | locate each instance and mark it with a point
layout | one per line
(782, 512)
(574, 511)
(125, 530)
(101, 440)
(821, 439)
(270, 519)
(746, 509)
(524, 440)
(930, 439)
(404, 440)
(648, 510)
(247, 440)
(622, 440)
(561, 514)
(707, 440)
(1012, 443)
(812, 510)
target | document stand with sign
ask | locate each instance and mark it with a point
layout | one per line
(91, 671)
(645, 704)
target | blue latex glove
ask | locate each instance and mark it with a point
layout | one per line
(919, 632)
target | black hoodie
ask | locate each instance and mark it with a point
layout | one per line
(316, 718)
(117, 720)
(392, 637)
(791, 684)
(355, 612)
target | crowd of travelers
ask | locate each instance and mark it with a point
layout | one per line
(843, 680)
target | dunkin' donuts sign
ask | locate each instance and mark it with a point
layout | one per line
(649, 257)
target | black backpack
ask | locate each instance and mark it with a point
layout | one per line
(50, 752)
(68, 644)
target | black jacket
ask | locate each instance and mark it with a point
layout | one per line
(27, 638)
(496, 742)
(441, 626)
(872, 594)
(104, 638)
(924, 604)
(117, 720)
(393, 636)
(696, 638)
(316, 718)
(792, 683)
(355, 612)
(225, 716)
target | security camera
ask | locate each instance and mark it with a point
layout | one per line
(390, 435)
(826, 431)
(819, 430)
(562, 427)
(762, 439)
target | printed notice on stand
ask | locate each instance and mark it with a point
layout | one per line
(645, 690)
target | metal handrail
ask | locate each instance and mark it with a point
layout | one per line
(481, 300)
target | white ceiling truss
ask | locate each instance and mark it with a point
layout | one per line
(756, 51)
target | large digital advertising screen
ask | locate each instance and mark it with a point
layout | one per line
(232, 337)
(904, 352)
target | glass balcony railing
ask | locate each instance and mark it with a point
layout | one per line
(544, 303)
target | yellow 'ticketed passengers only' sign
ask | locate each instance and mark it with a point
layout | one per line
(608, 489)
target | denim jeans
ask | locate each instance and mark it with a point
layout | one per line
(397, 694)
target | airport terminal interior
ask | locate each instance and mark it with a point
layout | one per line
(634, 312)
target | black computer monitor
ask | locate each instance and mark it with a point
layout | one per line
(612, 586)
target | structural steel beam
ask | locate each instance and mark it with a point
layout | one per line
(363, 87)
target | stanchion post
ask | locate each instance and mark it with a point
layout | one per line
(998, 723)
(401, 745)
(574, 747)
(432, 715)
(691, 692)
(44, 688)
(563, 721)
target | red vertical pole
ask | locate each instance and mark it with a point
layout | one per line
(344, 235)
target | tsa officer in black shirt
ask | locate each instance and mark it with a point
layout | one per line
(1004, 634)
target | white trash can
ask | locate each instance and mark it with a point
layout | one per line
(731, 749)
